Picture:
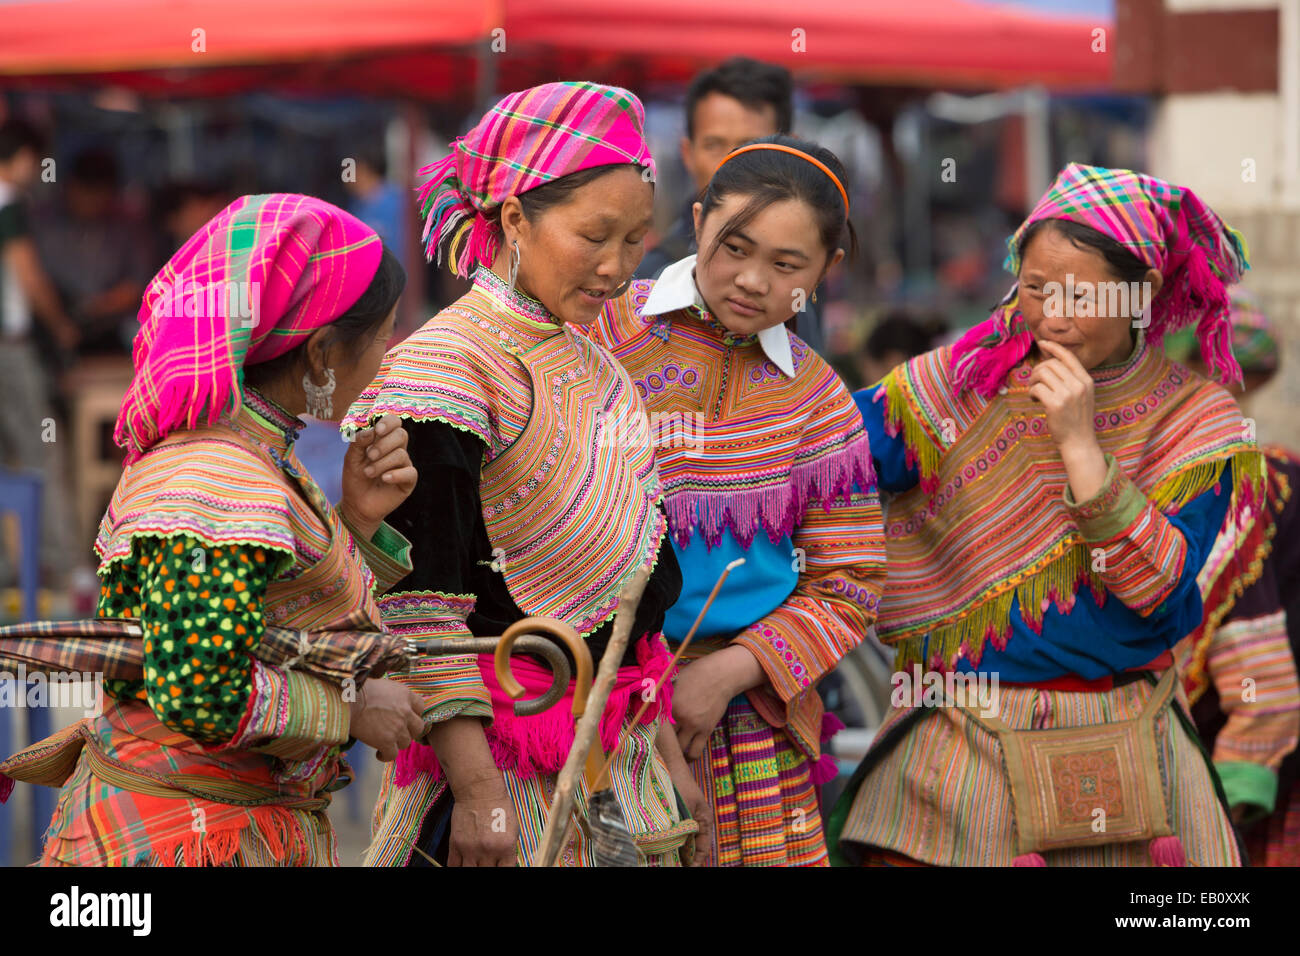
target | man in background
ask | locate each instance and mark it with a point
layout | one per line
(376, 201)
(97, 256)
(28, 297)
(726, 107)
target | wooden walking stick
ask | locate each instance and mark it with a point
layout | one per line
(586, 733)
(663, 678)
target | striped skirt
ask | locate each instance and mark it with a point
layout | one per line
(638, 777)
(765, 809)
(933, 787)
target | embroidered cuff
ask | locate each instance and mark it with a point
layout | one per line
(421, 615)
(451, 686)
(291, 715)
(1249, 783)
(1112, 509)
(388, 554)
(779, 659)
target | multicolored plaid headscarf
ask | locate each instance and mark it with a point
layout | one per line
(1165, 226)
(529, 138)
(260, 277)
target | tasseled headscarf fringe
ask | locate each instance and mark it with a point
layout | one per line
(452, 226)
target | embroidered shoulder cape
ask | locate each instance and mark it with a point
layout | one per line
(740, 445)
(991, 522)
(573, 515)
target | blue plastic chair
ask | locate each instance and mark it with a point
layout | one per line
(20, 493)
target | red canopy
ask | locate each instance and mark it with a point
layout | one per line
(427, 48)
(92, 36)
(913, 42)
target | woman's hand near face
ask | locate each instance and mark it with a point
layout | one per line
(1064, 388)
(377, 475)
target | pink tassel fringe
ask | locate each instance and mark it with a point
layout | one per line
(777, 509)
(1168, 851)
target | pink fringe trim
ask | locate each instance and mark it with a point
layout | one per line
(779, 508)
(6, 787)
(540, 744)
(447, 209)
(983, 357)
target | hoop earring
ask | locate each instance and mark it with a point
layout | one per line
(514, 266)
(320, 398)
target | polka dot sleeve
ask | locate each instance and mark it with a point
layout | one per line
(201, 608)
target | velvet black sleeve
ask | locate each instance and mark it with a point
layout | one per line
(451, 551)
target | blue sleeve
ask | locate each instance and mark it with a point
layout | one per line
(889, 454)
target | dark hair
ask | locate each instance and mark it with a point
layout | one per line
(16, 135)
(753, 83)
(95, 167)
(170, 198)
(539, 199)
(375, 158)
(1128, 267)
(901, 331)
(360, 321)
(768, 176)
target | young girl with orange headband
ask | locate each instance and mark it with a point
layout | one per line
(762, 456)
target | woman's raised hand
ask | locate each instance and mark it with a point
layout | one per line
(377, 475)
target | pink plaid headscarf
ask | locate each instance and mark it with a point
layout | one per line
(258, 279)
(1165, 226)
(529, 138)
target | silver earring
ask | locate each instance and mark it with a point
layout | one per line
(514, 266)
(320, 398)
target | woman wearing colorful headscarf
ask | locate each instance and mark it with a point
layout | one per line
(526, 509)
(1057, 486)
(1239, 665)
(281, 305)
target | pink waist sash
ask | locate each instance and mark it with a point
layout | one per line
(540, 744)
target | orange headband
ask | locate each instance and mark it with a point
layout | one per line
(793, 152)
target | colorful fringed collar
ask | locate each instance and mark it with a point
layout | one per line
(989, 508)
(740, 445)
(516, 309)
(675, 290)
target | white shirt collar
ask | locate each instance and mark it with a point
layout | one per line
(675, 289)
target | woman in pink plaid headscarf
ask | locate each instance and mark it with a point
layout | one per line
(216, 531)
(544, 499)
(1057, 486)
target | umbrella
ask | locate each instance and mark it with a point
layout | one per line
(112, 647)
